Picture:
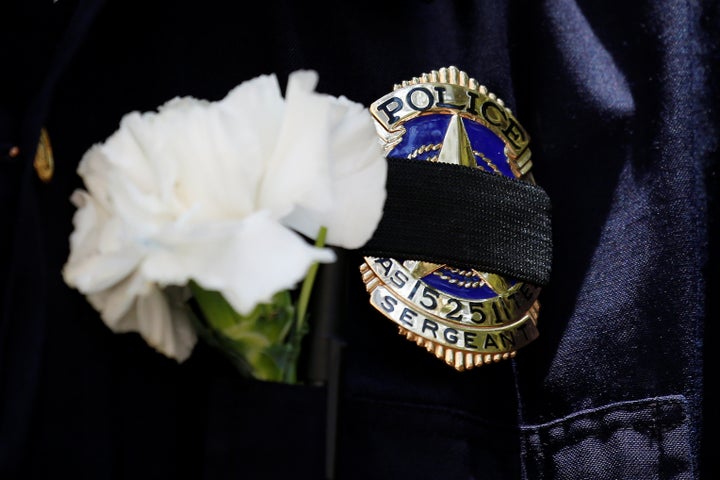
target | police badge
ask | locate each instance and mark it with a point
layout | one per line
(469, 295)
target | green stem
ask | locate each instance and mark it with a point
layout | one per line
(307, 285)
(302, 306)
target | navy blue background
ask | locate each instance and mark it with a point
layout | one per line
(621, 102)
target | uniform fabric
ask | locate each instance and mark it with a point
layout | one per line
(621, 102)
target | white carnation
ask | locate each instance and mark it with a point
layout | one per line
(216, 192)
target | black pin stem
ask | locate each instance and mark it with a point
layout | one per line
(325, 356)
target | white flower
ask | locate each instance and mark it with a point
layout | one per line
(216, 192)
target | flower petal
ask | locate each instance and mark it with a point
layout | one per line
(357, 171)
(158, 316)
(164, 328)
(298, 170)
(248, 261)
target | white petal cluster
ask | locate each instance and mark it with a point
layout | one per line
(219, 193)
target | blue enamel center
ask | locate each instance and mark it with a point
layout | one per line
(422, 141)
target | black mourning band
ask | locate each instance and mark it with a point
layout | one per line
(465, 217)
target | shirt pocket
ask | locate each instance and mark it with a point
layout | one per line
(645, 439)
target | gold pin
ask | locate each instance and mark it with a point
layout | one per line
(44, 162)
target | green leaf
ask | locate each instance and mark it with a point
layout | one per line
(266, 342)
(257, 338)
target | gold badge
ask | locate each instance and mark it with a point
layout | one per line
(463, 316)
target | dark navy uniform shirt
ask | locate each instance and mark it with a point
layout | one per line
(621, 102)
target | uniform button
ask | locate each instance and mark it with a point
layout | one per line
(44, 163)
